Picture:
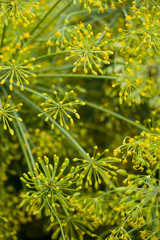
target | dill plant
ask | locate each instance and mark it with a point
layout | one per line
(92, 65)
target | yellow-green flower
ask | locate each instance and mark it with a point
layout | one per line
(88, 50)
(17, 10)
(97, 169)
(7, 114)
(15, 72)
(60, 109)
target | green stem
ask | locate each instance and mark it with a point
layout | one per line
(75, 76)
(38, 109)
(41, 58)
(48, 23)
(3, 34)
(56, 218)
(78, 13)
(45, 16)
(22, 147)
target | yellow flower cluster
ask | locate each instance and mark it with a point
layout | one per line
(59, 109)
(143, 150)
(7, 114)
(141, 32)
(90, 51)
(101, 4)
(17, 11)
(16, 72)
(97, 168)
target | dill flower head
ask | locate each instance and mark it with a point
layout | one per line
(76, 224)
(150, 235)
(96, 204)
(101, 4)
(140, 203)
(119, 233)
(89, 51)
(60, 109)
(97, 168)
(58, 37)
(137, 79)
(143, 3)
(17, 10)
(48, 183)
(17, 72)
(7, 114)
(143, 150)
(141, 31)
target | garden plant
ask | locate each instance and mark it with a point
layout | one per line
(80, 119)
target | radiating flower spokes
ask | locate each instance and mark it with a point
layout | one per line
(76, 224)
(13, 71)
(88, 50)
(96, 169)
(60, 108)
(141, 31)
(48, 183)
(119, 233)
(140, 203)
(143, 150)
(144, 3)
(7, 114)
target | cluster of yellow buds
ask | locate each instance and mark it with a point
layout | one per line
(119, 233)
(78, 221)
(101, 4)
(17, 10)
(59, 109)
(48, 184)
(147, 25)
(14, 71)
(97, 168)
(141, 197)
(143, 150)
(7, 114)
(88, 50)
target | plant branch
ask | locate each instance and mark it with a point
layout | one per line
(48, 23)
(75, 76)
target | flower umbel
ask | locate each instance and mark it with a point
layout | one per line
(88, 50)
(7, 114)
(17, 72)
(48, 183)
(76, 225)
(101, 4)
(60, 109)
(119, 233)
(96, 168)
(17, 10)
(143, 150)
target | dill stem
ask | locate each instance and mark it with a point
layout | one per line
(45, 16)
(3, 35)
(75, 76)
(48, 23)
(56, 218)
